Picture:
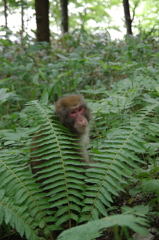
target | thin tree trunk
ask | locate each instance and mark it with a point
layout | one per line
(64, 16)
(42, 20)
(128, 20)
(5, 13)
(22, 21)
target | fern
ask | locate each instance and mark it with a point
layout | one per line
(115, 163)
(66, 196)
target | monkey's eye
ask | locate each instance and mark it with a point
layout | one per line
(72, 112)
(80, 109)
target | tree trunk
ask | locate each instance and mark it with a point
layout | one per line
(42, 20)
(5, 13)
(64, 16)
(128, 20)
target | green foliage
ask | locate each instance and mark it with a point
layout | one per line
(120, 82)
(146, 18)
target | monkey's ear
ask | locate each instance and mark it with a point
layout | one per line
(60, 112)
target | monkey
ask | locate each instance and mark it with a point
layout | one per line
(74, 114)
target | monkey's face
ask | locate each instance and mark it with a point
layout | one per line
(73, 113)
(77, 116)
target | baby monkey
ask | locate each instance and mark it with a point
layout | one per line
(74, 114)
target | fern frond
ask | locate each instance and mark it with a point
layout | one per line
(115, 163)
(59, 171)
(19, 200)
(93, 229)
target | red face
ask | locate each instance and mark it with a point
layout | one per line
(80, 120)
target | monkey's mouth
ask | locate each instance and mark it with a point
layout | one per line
(82, 128)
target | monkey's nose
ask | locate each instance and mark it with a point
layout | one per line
(82, 122)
